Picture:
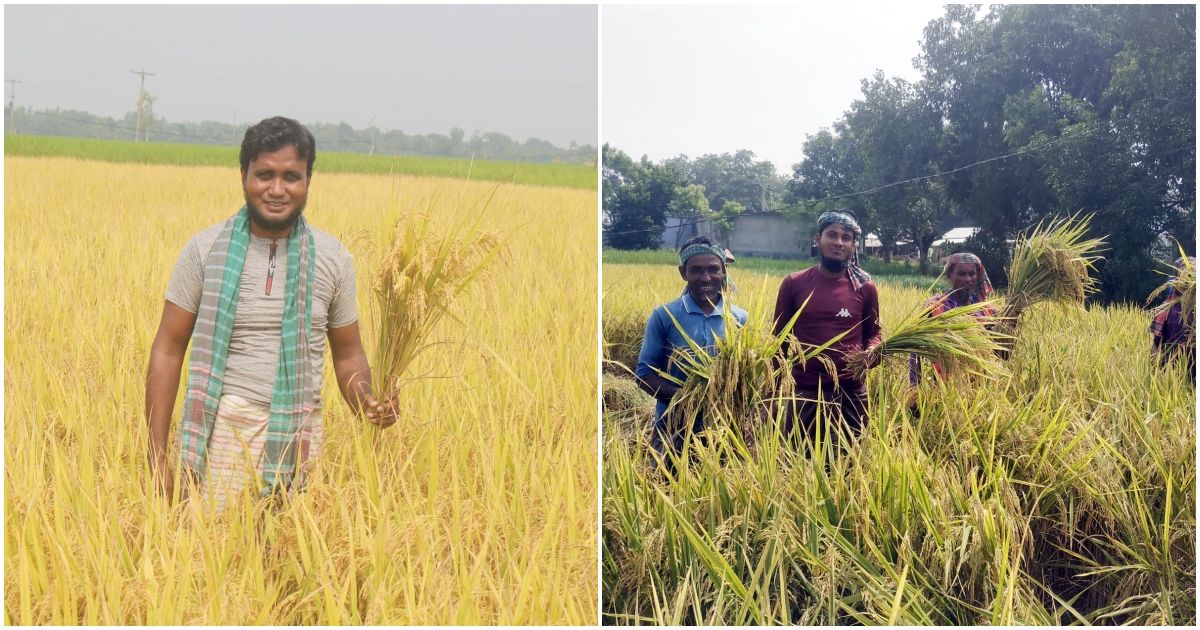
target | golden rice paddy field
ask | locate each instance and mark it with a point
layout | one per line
(478, 507)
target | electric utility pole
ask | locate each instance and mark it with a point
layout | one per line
(141, 96)
(12, 111)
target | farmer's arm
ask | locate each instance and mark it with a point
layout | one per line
(162, 383)
(872, 331)
(354, 376)
(784, 306)
(654, 354)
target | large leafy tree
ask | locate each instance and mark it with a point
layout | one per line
(1097, 103)
(736, 177)
(1025, 112)
(714, 188)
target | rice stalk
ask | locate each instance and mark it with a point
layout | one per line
(743, 381)
(418, 278)
(957, 338)
(1052, 263)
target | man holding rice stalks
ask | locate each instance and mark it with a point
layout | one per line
(1173, 328)
(969, 284)
(257, 296)
(837, 298)
(700, 314)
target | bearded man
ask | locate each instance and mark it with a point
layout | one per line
(841, 300)
(257, 296)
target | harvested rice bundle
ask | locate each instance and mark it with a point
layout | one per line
(419, 275)
(629, 408)
(740, 384)
(1051, 264)
(957, 338)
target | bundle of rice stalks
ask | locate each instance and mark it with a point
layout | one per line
(1179, 289)
(1052, 264)
(627, 408)
(420, 274)
(958, 339)
(740, 384)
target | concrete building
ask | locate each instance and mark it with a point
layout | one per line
(767, 234)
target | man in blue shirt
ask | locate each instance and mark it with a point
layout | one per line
(699, 312)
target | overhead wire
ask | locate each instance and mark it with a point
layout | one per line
(812, 202)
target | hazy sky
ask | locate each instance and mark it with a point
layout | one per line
(524, 71)
(715, 79)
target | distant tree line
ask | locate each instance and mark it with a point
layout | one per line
(330, 136)
(638, 196)
(1022, 112)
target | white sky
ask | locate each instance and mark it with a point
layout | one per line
(524, 71)
(715, 79)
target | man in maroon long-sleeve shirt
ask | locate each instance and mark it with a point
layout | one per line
(843, 300)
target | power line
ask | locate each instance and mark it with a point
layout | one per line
(955, 170)
(1086, 130)
(141, 98)
(12, 112)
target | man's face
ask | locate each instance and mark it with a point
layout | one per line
(835, 244)
(705, 277)
(963, 276)
(276, 189)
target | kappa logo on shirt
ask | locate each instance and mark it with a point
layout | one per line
(843, 313)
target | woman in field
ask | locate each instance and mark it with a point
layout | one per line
(969, 284)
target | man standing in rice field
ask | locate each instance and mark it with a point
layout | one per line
(969, 284)
(257, 296)
(1172, 335)
(700, 312)
(842, 300)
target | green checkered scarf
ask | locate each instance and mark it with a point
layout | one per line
(292, 398)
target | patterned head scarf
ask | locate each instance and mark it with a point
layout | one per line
(858, 275)
(982, 287)
(714, 249)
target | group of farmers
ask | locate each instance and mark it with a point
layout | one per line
(838, 298)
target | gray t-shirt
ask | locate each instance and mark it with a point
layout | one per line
(254, 345)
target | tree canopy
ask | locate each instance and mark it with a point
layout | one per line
(1025, 112)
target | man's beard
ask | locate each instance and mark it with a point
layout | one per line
(273, 225)
(833, 264)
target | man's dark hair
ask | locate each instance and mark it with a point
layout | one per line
(696, 240)
(273, 134)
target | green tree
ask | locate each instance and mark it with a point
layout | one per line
(1095, 107)
(636, 198)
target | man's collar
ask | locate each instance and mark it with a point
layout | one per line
(690, 305)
